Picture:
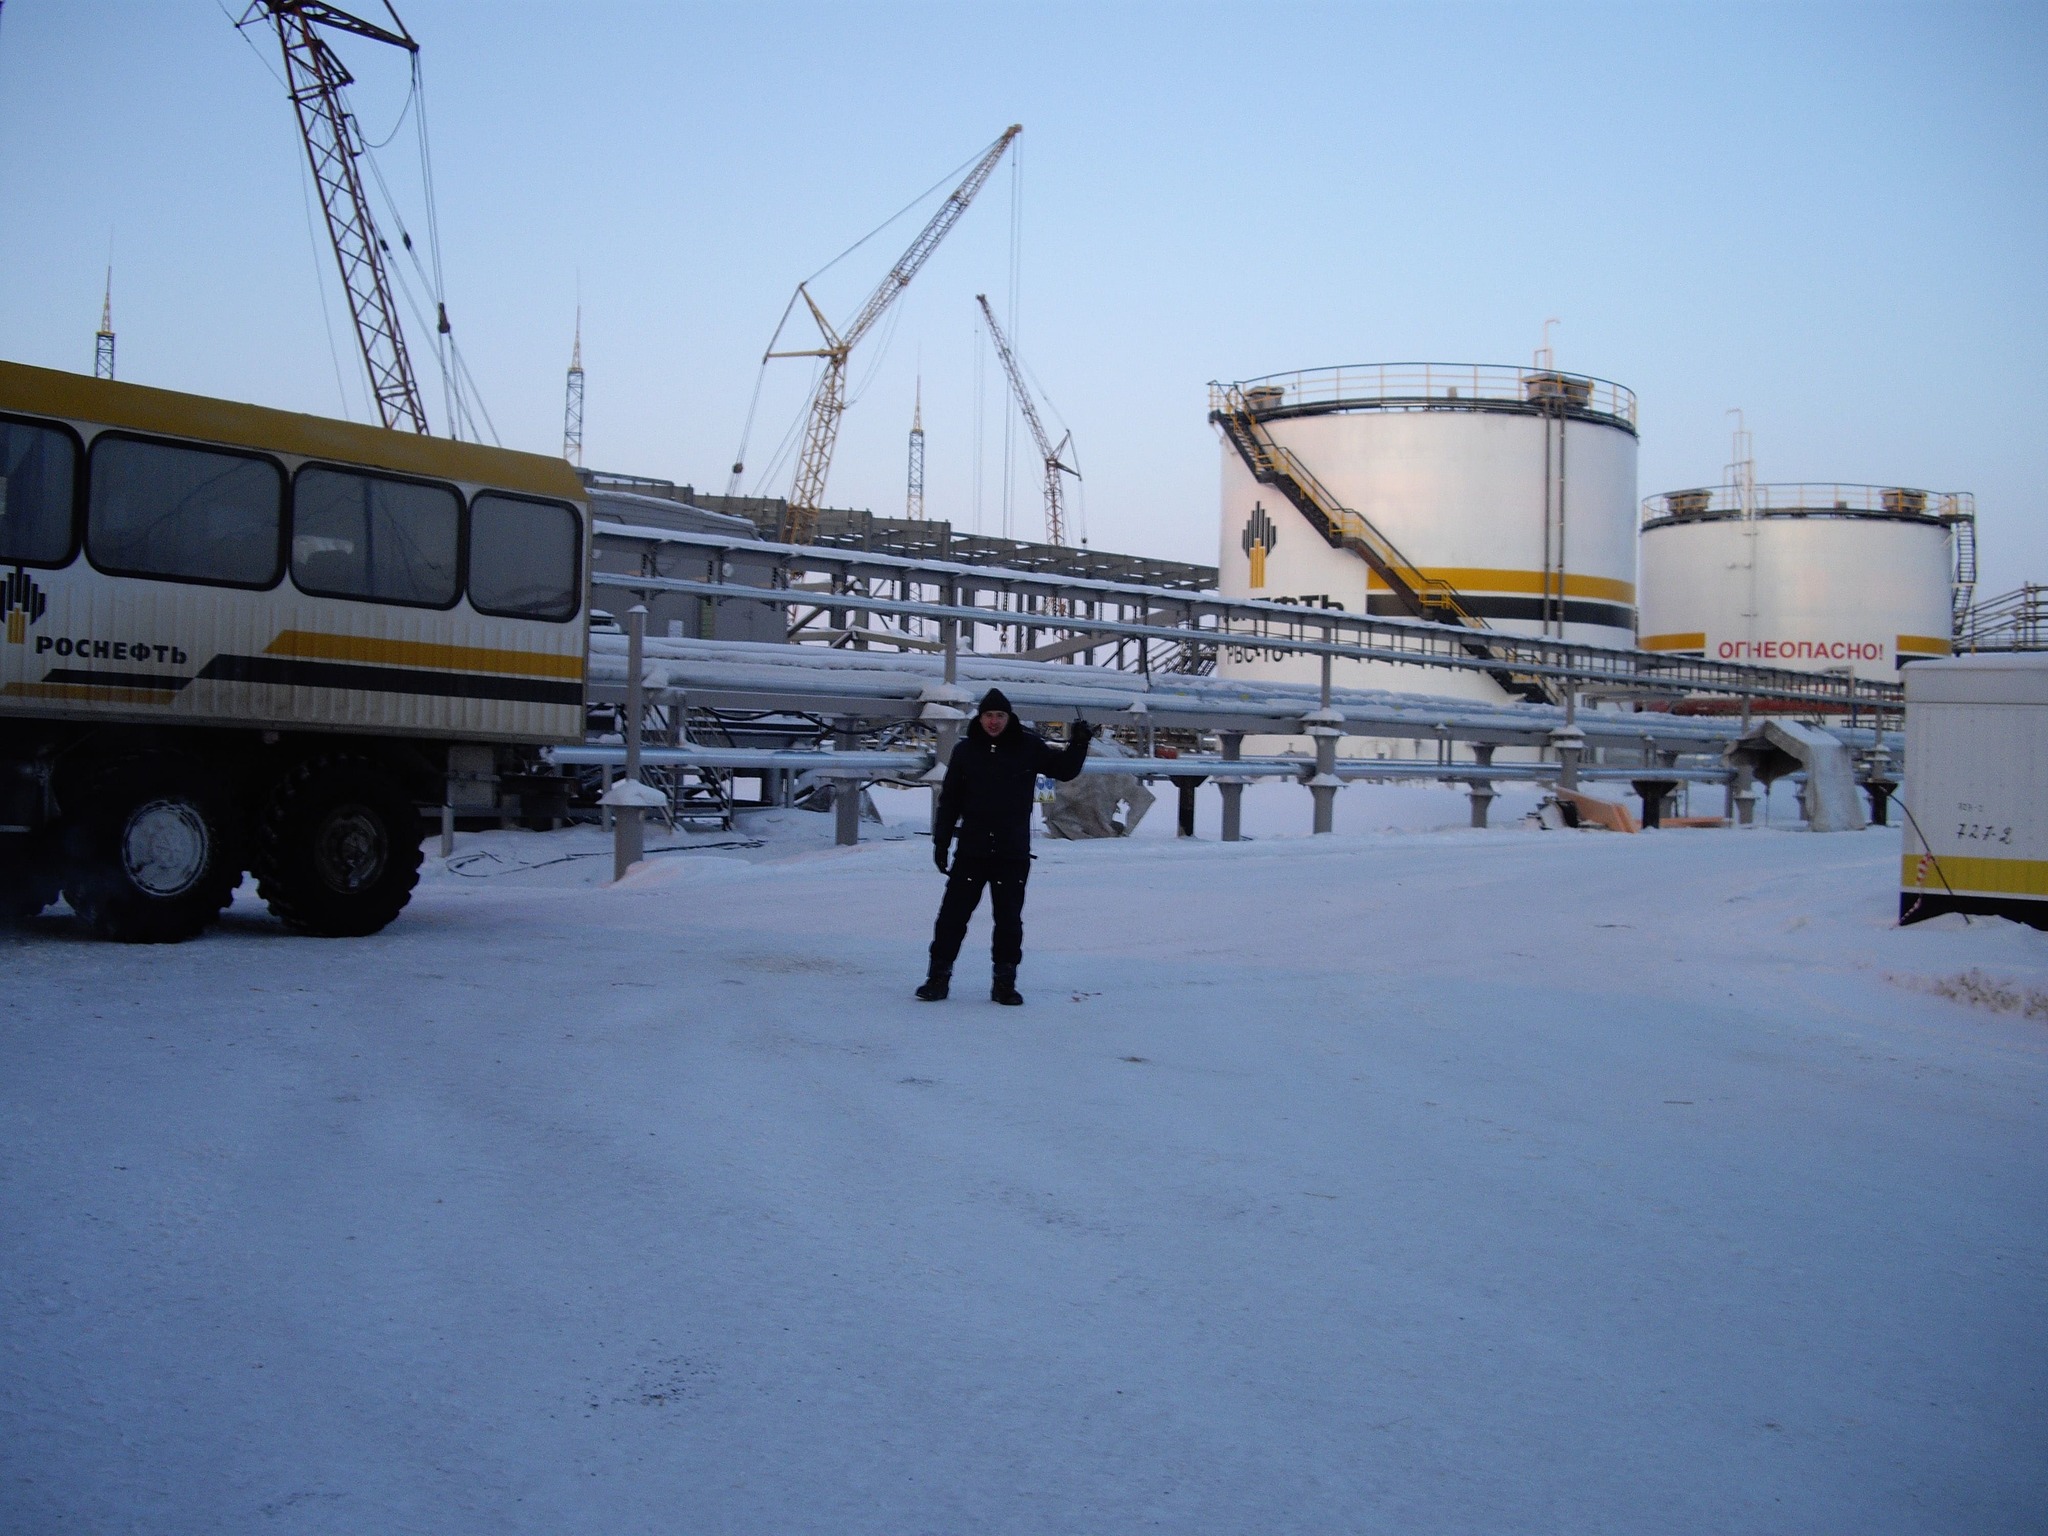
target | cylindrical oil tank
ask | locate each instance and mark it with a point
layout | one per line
(1813, 577)
(1512, 490)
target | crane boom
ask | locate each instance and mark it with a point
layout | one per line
(315, 77)
(1055, 464)
(828, 400)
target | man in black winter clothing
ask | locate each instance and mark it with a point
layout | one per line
(986, 800)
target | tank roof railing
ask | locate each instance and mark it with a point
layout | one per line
(1812, 499)
(1415, 386)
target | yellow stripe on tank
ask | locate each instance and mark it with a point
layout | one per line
(312, 645)
(1974, 876)
(1696, 641)
(1479, 579)
(1924, 645)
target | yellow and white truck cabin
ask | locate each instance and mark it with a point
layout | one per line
(168, 556)
(236, 638)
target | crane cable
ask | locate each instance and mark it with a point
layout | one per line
(739, 459)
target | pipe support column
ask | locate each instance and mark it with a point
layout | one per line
(846, 791)
(1482, 789)
(1570, 743)
(1325, 728)
(629, 843)
(1232, 789)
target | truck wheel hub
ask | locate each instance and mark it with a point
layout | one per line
(349, 851)
(164, 847)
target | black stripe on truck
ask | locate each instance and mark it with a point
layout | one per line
(293, 672)
(85, 677)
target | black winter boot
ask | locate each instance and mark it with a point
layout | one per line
(934, 988)
(1004, 990)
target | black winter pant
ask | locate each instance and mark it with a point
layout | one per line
(1005, 879)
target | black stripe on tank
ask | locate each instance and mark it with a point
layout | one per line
(297, 673)
(1576, 610)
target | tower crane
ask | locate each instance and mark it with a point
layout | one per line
(1053, 454)
(828, 400)
(315, 78)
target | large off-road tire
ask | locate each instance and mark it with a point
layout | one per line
(150, 851)
(337, 852)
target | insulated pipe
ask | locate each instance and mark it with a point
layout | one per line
(744, 667)
(873, 765)
(1436, 646)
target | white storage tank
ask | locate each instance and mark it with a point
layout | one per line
(1511, 488)
(1813, 577)
(1976, 836)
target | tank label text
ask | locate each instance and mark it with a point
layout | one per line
(1800, 650)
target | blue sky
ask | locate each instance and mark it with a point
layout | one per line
(1830, 216)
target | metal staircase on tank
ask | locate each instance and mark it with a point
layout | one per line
(1425, 597)
(1963, 528)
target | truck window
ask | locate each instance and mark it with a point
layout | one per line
(523, 557)
(359, 535)
(190, 514)
(38, 466)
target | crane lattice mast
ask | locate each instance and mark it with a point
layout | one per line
(315, 78)
(103, 338)
(1053, 454)
(828, 401)
(913, 506)
(572, 413)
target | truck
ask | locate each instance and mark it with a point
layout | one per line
(242, 640)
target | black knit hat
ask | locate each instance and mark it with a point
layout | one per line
(994, 699)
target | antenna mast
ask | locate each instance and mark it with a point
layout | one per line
(913, 507)
(572, 414)
(103, 339)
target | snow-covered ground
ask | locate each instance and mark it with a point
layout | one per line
(1409, 1181)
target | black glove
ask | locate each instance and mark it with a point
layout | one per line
(939, 856)
(1081, 731)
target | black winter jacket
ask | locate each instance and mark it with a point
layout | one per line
(991, 784)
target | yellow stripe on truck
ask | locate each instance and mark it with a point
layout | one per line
(314, 645)
(92, 693)
(1924, 645)
(1478, 579)
(1696, 641)
(1973, 876)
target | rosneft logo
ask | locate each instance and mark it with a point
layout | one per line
(23, 602)
(1259, 537)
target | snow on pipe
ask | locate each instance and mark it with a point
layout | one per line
(1053, 687)
(916, 764)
